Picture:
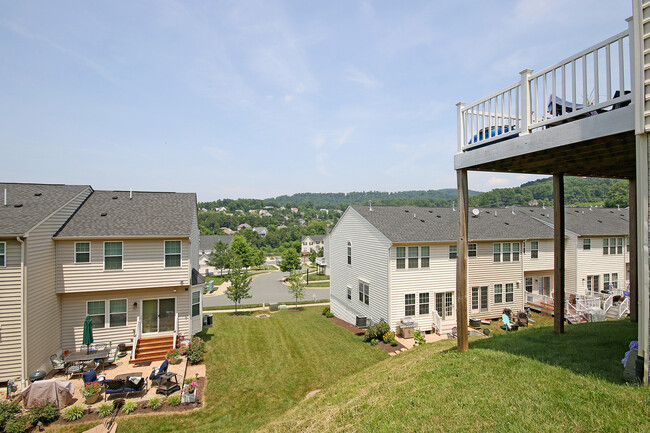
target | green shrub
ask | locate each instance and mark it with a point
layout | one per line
(105, 409)
(374, 342)
(174, 400)
(73, 413)
(382, 328)
(17, 424)
(8, 411)
(393, 343)
(195, 350)
(44, 412)
(388, 336)
(326, 311)
(419, 337)
(129, 406)
(372, 333)
(155, 403)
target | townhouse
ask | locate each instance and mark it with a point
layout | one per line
(312, 242)
(129, 260)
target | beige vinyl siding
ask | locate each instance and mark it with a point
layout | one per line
(73, 313)
(544, 258)
(370, 255)
(482, 271)
(143, 266)
(10, 341)
(570, 264)
(439, 277)
(594, 262)
(43, 322)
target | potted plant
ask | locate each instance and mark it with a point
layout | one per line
(189, 392)
(91, 392)
(174, 356)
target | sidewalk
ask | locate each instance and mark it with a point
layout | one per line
(288, 304)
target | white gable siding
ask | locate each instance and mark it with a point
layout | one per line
(544, 260)
(570, 264)
(10, 312)
(594, 262)
(370, 255)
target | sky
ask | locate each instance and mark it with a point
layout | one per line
(256, 99)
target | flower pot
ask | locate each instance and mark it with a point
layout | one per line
(188, 397)
(174, 360)
(92, 398)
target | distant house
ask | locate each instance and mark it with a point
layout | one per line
(244, 226)
(252, 211)
(533, 202)
(227, 231)
(207, 243)
(324, 210)
(294, 210)
(265, 213)
(280, 227)
(262, 231)
(220, 209)
(312, 242)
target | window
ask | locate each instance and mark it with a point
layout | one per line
(172, 254)
(117, 312)
(612, 246)
(471, 250)
(498, 293)
(510, 292)
(349, 253)
(413, 257)
(409, 304)
(484, 298)
(304, 243)
(592, 283)
(614, 281)
(619, 245)
(586, 244)
(627, 243)
(112, 255)
(424, 257)
(605, 246)
(474, 298)
(605, 282)
(534, 249)
(506, 252)
(196, 303)
(529, 284)
(82, 252)
(424, 303)
(349, 293)
(440, 304)
(449, 304)
(496, 251)
(3, 254)
(453, 251)
(97, 312)
(364, 292)
(401, 257)
(515, 252)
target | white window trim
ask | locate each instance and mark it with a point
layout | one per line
(4, 254)
(449, 252)
(414, 304)
(367, 284)
(90, 248)
(192, 303)
(505, 292)
(405, 258)
(349, 293)
(349, 253)
(534, 249)
(107, 312)
(419, 303)
(475, 250)
(180, 263)
(584, 243)
(104, 257)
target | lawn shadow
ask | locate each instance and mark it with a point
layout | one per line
(591, 349)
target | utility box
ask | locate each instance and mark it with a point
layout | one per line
(273, 306)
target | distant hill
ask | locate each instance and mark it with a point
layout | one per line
(438, 197)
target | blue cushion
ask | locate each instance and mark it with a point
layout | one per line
(163, 367)
(91, 376)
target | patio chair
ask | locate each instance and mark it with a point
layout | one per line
(112, 356)
(157, 373)
(73, 369)
(453, 333)
(507, 324)
(57, 363)
(91, 376)
(522, 319)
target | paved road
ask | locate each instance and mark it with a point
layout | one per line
(267, 288)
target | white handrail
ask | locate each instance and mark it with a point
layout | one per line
(437, 322)
(136, 337)
(175, 330)
(624, 307)
(607, 304)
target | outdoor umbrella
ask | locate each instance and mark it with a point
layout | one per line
(88, 333)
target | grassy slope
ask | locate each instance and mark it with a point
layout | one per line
(530, 380)
(260, 368)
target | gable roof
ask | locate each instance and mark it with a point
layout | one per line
(424, 224)
(207, 242)
(584, 221)
(148, 214)
(30, 203)
(314, 237)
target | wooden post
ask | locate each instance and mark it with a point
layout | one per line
(461, 263)
(558, 251)
(634, 274)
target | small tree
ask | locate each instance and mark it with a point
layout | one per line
(314, 254)
(290, 260)
(241, 250)
(240, 283)
(259, 258)
(220, 258)
(296, 285)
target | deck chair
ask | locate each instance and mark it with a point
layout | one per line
(507, 324)
(57, 363)
(453, 333)
(522, 319)
(157, 373)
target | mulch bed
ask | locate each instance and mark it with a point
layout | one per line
(358, 331)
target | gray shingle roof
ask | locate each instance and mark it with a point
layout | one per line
(197, 278)
(314, 237)
(30, 203)
(207, 242)
(585, 222)
(423, 224)
(114, 214)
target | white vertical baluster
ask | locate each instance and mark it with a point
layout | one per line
(573, 83)
(621, 67)
(585, 95)
(608, 72)
(596, 79)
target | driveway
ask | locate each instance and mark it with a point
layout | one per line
(266, 288)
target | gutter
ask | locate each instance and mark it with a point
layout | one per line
(23, 314)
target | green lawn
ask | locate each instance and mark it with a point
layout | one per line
(529, 380)
(260, 368)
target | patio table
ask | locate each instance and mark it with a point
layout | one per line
(82, 356)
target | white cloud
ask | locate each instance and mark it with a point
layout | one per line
(321, 163)
(343, 137)
(356, 76)
(288, 98)
(497, 182)
(216, 153)
(319, 140)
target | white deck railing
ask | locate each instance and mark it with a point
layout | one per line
(624, 307)
(584, 303)
(535, 298)
(437, 322)
(585, 84)
(175, 330)
(608, 302)
(136, 337)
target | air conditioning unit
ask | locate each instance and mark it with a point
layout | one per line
(362, 322)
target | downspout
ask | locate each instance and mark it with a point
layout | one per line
(23, 313)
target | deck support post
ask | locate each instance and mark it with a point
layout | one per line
(461, 263)
(634, 307)
(558, 252)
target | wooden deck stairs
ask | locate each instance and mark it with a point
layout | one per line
(153, 349)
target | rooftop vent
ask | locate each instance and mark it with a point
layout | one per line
(18, 205)
(507, 223)
(437, 216)
(114, 197)
(38, 194)
(422, 220)
(406, 210)
(600, 221)
(104, 214)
